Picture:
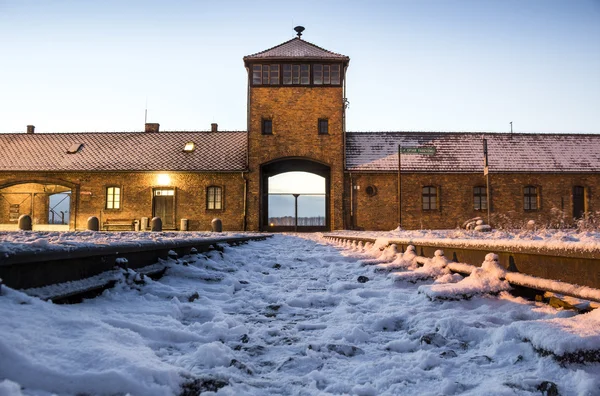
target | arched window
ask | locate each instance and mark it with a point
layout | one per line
(113, 197)
(430, 198)
(214, 198)
(479, 198)
(530, 198)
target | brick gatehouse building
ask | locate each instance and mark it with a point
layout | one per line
(296, 123)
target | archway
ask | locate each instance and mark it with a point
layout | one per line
(48, 203)
(295, 195)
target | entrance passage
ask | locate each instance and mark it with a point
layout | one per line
(49, 206)
(295, 196)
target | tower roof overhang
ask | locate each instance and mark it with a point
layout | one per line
(296, 50)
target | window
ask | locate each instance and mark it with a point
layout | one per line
(335, 74)
(371, 191)
(113, 197)
(189, 147)
(74, 148)
(530, 198)
(267, 127)
(256, 74)
(318, 74)
(479, 198)
(265, 75)
(287, 74)
(296, 74)
(323, 126)
(429, 198)
(326, 74)
(214, 198)
(304, 74)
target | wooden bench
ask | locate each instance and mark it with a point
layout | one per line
(118, 224)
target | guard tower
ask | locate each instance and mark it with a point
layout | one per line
(296, 107)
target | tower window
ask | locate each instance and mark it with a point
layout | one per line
(304, 74)
(318, 74)
(265, 75)
(267, 127)
(335, 74)
(323, 126)
(256, 74)
(287, 74)
(274, 74)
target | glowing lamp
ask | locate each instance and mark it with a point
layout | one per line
(164, 180)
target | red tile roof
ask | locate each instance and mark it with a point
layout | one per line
(294, 49)
(463, 152)
(124, 151)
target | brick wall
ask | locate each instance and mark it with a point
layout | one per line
(295, 112)
(380, 211)
(89, 196)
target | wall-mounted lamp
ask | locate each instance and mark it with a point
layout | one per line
(164, 180)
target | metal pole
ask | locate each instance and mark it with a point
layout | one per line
(296, 212)
(351, 202)
(399, 187)
(487, 178)
(487, 189)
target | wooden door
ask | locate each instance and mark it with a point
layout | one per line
(164, 207)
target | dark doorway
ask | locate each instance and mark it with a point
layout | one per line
(163, 206)
(295, 196)
(578, 201)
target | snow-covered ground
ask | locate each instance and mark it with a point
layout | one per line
(289, 316)
(28, 241)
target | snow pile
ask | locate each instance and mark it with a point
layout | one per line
(485, 280)
(406, 260)
(575, 339)
(386, 255)
(432, 268)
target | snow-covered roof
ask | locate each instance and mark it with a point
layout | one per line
(123, 151)
(294, 49)
(463, 152)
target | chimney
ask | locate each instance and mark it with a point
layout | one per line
(213, 127)
(152, 127)
(30, 128)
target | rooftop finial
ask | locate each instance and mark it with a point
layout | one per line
(299, 30)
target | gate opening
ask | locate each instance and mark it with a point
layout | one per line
(295, 196)
(48, 204)
(297, 199)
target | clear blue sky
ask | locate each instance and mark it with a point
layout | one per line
(472, 65)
